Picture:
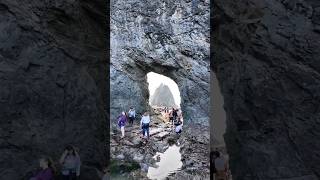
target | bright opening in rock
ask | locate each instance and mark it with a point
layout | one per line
(163, 91)
(219, 124)
(219, 115)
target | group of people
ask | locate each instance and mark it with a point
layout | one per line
(175, 118)
(70, 167)
(174, 115)
(131, 116)
(219, 166)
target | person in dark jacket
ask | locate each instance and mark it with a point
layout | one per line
(171, 117)
(175, 114)
(47, 170)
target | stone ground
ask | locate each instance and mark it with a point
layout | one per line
(194, 148)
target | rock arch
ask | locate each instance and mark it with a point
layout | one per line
(164, 42)
(193, 101)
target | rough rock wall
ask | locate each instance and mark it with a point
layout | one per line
(266, 56)
(167, 37)
(53, 79)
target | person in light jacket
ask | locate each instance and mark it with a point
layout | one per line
(132, 115)
(145, 122)
(70, 161)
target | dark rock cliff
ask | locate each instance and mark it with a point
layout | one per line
(53, 79)
(266, 57)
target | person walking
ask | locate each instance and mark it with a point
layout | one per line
(166, 114)
(132, 115)
(122, 119)
(178, 128)
(175, 114)
(194, 8)
(70, 161)
(145, 121)
(179, 113)
(47, 170)
(221, 167)
(106, 175)
(171, 115)
(212, 166)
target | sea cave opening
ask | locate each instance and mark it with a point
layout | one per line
(218, 125)
(164, 99)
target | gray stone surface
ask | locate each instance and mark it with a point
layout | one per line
(266, 57)
(165, 37)
(52, 83)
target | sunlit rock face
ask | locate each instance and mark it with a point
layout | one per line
(53, 79)
(266, 57)
(167, 37)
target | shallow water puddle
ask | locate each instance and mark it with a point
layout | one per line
(170, 162)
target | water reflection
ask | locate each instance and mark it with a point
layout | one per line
(167, 163)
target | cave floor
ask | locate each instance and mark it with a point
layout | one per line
(134, 155)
